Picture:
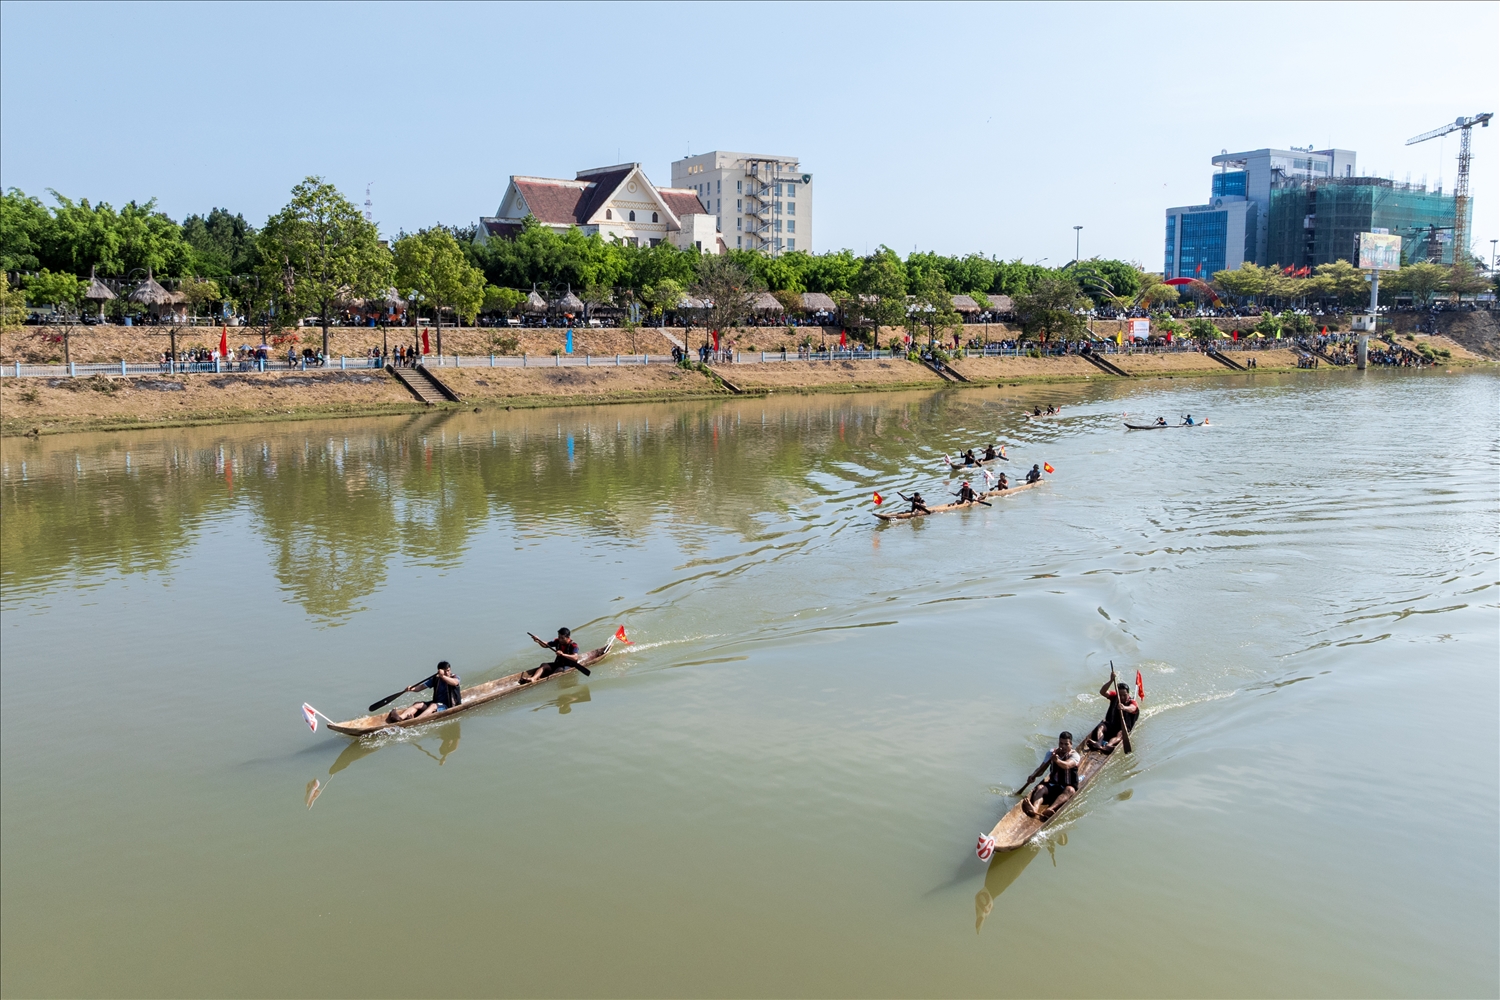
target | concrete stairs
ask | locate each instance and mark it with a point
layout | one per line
(1105, 366)
(1227, 362)
(424, 385)
(943, 371)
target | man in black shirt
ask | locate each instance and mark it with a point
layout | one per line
(446, 694)
(567, 656)
(1035, 474)
(1061, 785)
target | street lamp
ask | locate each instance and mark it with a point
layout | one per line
(1492, 256)
(1077, 241)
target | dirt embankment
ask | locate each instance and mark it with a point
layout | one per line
(574, 385)
(824, 376)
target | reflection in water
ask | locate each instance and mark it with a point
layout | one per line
(572, 693)
(1004, 869)
(447, 733)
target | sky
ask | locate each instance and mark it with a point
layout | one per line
(951, 128)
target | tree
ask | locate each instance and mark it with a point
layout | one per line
(662, 297)
(728, 289)
(1051, 308)
(595, 295)
(1418, 280)
(1112, 282)
(200, 293)
(432, 265)
(1465, 280)
(22, 221)
(881, 292)
(12, 304)
(324, 250)
(502, 300)
(223, 244)
(932, 306)
(1342, 281)
(49, 288)
(1202, 330)
(1155, 292)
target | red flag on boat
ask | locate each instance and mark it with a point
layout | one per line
(1140, 686)
(224, 342)
(620, 636)
(311, 715)
(1047, 467)
(878, 498)
(426, 344)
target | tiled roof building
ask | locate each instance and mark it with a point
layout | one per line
(617, 202)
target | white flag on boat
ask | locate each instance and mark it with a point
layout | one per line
(311, 715)
(986, 847)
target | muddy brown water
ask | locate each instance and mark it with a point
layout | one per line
(777, 789)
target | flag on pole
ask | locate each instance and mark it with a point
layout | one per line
(1140, 686)
(986, 847)
(843, 338)
(426, 344)
(620, 636)
(224, 343)
(1047, 467)
(311, 715)
(878, 498)
(716, 340)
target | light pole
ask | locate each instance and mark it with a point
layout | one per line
(1492, 257)
(1077, 241)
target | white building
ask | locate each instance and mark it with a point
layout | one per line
(617, 202)
(761, 202)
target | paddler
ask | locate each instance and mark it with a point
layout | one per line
(989, 453)
(918, 505)
(1106, 735)
(1187, 421)
(1034, 475)
(1002, 483)
(1061, 785)
(1036, 411)
(446, 694)
(968, 457)
(567, 656)
(1050, 410)
(966, 494)
(1161, 421)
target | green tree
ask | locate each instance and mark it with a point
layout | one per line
(1202, 330)
(931, 306)
(1342, 281)
(323, 250)
(432, 265)
(1465, 280)
(1418, 280)
(880, 292)
(1051, 309)
(23, 220)
(200, 293)
(502, 300)
(662, 297)
(223, 244)
(12, 304)
(728, 288)
(1112, 282)
(54, 288)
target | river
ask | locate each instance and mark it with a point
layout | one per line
(777, 789)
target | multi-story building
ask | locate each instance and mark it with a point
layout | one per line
(1300, 208)
(617, 202)
(761, 202)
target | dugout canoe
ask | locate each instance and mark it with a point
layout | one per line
(479, 694)
(945, 508)
(1161, 427)
(1016, 828)
(1041, 416)
(979, 462)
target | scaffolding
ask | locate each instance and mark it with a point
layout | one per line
(763, 183)
(1316, 222)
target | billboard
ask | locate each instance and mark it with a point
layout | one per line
(1140, 329)
(1379, 252)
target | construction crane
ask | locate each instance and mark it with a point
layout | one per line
(1461, 190)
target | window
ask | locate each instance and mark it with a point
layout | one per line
(1169, 271)
(739, 205)
(609, 213)
(655, 242)
(778, 225)
(778, 206)
(1201, 252)
(632, 215)
(778, 190)
(739, 242)
(739, 187)
(654, 218)
(739, 223)
(791, 225)
(791, 244)
(791, 208)
(718, 187)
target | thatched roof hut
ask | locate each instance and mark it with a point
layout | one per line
(150, 293)
(965, 304)
(1001, 305)
(765, 302)
(97, 290)
(818, 302)
(535, 303)
(570, 303)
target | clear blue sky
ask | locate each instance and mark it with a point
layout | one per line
(950, 128)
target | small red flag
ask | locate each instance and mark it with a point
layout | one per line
(1047, 467)
(224, 342)
(716, 340)
(1140, 686)
(426, 345)
(620, 636)
(843, 338)
(878, 498)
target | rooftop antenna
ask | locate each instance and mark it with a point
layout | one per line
(369, 205)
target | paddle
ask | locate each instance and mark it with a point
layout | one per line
(1114, 682)
(579, 666)
(387, 700)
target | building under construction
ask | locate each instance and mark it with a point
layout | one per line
(1316, 221)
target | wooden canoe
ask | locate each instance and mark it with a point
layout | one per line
(978, 463)
(945, 508)
(1161, 427)
(479, 694)
(1016, 828)
(1041, 416)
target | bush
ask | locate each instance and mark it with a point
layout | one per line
(504, 344)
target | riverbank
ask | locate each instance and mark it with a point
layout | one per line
(53, 405)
